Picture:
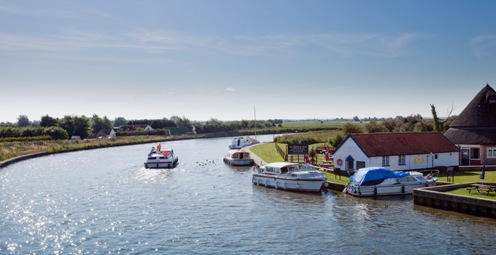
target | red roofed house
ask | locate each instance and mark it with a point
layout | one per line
(396, 151)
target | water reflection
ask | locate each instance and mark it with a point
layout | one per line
(105, 201)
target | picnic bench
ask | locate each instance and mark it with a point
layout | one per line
(482, 188)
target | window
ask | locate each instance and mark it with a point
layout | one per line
(401, 160)
(385, 161)
(360, 164)
(491, 152)
(474, 153)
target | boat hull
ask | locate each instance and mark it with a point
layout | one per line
(303, 185)
(163, 164)
(238, 162)
(389, 190)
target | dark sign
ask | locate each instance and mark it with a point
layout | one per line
(296, 149)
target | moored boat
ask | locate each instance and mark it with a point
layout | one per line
(240, 142)
(161, 158)
(380, 181)
(289, 176)
(238, 158)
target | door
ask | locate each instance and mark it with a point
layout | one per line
(465, 154)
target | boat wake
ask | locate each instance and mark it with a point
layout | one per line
(158, 175)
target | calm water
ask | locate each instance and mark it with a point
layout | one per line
(104, 201)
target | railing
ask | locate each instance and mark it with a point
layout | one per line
(281, 152)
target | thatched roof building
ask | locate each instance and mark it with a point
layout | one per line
(474, 130)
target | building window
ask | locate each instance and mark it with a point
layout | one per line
(360, 164)
(491, 153)
(385, 161)
(474, 153)
(401, 160)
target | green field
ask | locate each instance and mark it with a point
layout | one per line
(318, 124)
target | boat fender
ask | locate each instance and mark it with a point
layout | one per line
(402, 189)
(375, 190)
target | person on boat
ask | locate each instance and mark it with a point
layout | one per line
(153, 149)
(159, 147)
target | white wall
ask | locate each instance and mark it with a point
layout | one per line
(422, 161)
(349, 148)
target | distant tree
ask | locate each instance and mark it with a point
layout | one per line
(440, 125)
(120, 121)
(98, 124)
(375, 127)
(75, 125)
(56, 133)
(47, 121)
(337, 140)
(23, 121)
(183, 122)
(356, 118)
(389, 124)
(163, 123)
(349, 128)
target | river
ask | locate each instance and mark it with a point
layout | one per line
(104, 201)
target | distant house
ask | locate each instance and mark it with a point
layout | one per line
(397, 151)
(474, 130)
(112, 134)
(135, 127)
(101, 133)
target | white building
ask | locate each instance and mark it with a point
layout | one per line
(396, 151)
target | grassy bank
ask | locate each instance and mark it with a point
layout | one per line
(10, 150)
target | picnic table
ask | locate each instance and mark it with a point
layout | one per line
(482, 188)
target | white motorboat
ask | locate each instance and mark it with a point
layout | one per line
(161, 158)
(289, 176)
(380, 181)
(238, 158)
(240, 142)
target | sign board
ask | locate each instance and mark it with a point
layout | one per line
(297, 149)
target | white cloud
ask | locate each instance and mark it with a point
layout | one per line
(482, 45)
(230, 89)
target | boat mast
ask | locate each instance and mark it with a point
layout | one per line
(255, 117)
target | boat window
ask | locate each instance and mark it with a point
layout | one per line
(152, 158)
(163, 157)
(284, 170)
(401, 160)
(235, 156)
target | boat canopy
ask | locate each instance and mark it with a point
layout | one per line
(374, 175)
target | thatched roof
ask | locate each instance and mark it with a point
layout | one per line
(476, 124)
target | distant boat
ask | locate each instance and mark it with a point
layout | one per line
(240, 142)
(380, 181)
(161, 158)
(238, 158)
(289, 176)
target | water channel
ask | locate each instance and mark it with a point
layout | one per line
(104, 201)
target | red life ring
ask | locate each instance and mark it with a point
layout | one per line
(340, 162)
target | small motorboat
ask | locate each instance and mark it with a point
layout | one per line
(289, 176)
(380, 181)
(238, 158)
(240, 142)
(161, 158)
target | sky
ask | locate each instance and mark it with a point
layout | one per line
(239, 60)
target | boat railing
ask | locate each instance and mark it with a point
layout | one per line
(433, 173)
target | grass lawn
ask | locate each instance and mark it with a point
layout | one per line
(267, 152)
(473, 193)
(469, 176)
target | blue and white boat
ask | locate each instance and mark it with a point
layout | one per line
(380, 181)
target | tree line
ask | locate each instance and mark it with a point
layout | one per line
(84, 127)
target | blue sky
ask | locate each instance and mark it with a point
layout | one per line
(223, 58)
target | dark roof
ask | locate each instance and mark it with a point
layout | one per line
(476, 136)
(476, 124)
(387, 144)
(480, 112)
